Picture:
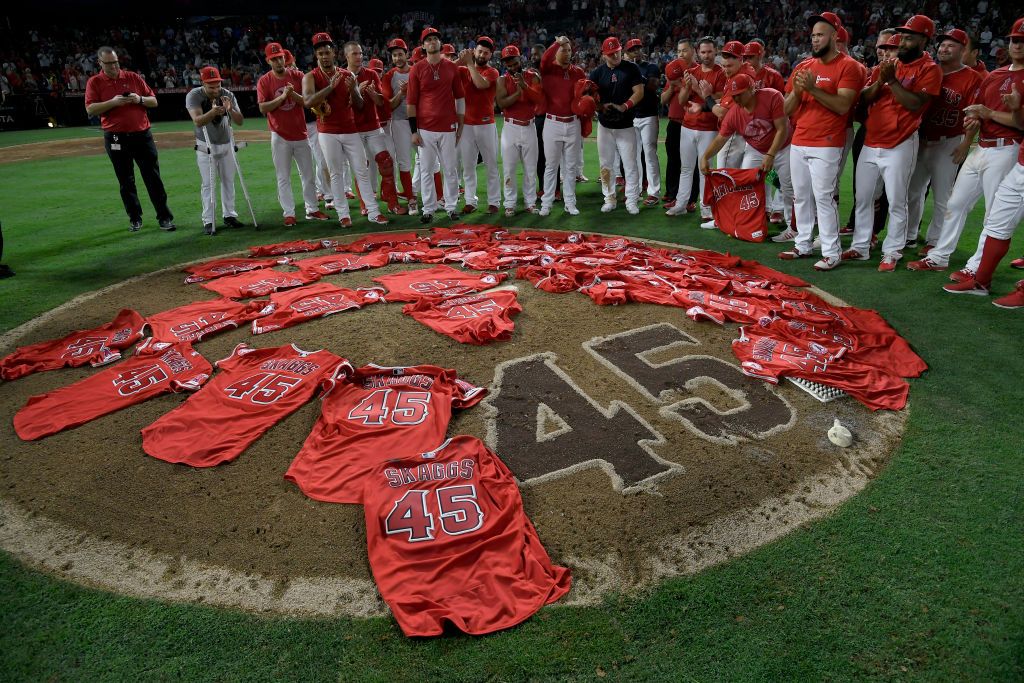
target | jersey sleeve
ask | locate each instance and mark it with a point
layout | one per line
(466, 395)
(852, 78)
(412, 94)
(234, 358)
(458, 89)
(92, 91)
(728, 125)
(776, 106)
(263, 91)
(141, 87)
(931, 81)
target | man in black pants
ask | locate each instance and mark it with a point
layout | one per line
(5, 271)
(536, 53)
(120, 98)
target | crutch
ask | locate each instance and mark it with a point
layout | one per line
(241, 179)
(213, 180)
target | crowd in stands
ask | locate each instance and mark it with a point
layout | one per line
(59, 58)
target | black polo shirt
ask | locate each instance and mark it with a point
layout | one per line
(616, 86)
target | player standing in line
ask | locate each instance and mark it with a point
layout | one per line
(819, 96)
(212, 109)
(278, 94)
(435, 105)
(518, 92)
(703, 84)
(395, 83)
(645, 121)
(376, 143)
(323, 177)
(942, 142)
(766, 77)
(336, 87)
(971, 56)
(561, 134)
(732, 64)
(988, 164)
(480, 134)
(898, 95)
(621, 87)
(674, 71)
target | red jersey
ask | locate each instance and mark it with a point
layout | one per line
(525, 108)
(293, 247)
(156, 368)
(390, 84)
(737, 202)
(367, 118)
(433, 89)
(471, 319)
(258, 283)
(449, 542)
(128, 118)
(366, 419)
(716, 77)
(254, 390)
(222, 267)
(980, 67)
(377, 240)
(768, 77)
(720, 308)
(295, 306)
(889, 122)
(98, 346)
(288, 120)
(413, 252)
(757, 127)
(436, 282)
(945, 117)
(341, 263)
(192, 322)
(341, 119)
(815, 125)
(769, 359)
(558, 83)
(479, 101)
(990, 93)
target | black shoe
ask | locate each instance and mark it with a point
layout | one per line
(167, 224)
(135, 225)
(209, 229)
(453, 215)
(233, 222)
(426, 217)
(5, 271)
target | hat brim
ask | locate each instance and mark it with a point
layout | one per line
(734, 55)
(811, 21)
(432, 33)
(904, 29)
(609, 53)
(276, 55)
(940, 38)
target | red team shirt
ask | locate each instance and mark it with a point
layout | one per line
(736, 198)
(292, 247)
(558, 83)
(130, 118)
(945, 117)
(98, 346)
(532, 99)
(757, 127)
(367, 118)
(363, 421)
(889, 122)
(704, 120)
(768, 77)
(342, 117)
(192, 322)
(449, 541)
(990, 93)
(258, 283)
(439, 281)
(156, 368)
(814, 124)
(255, 389)
(295, 306)
(341, 263)
(211, 270)
(433, 89)
(471, 319)
(288, 120)
(377, 240)
(479, 101)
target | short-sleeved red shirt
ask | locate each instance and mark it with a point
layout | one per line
(990, 93)
(945, 117)
(433, 89)
(757, 127)
(558, 83)
(705, 120)
(129, 118)
(479, 101)
(367, 118)
(288, 120)
(815, 125)
(889, 122)
(341, 119)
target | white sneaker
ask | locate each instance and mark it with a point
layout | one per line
(632, 208)
(709, 225)
(787, 235)
(607, 207)
(827, 263)
(676, 210)
(545, 211)
(414, 208)
(705, 213)
(816, 244)
(572, 211)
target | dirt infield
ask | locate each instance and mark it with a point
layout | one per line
(641, 450)
(58, 149)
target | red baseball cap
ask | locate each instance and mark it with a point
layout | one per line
(738, 83)
(289, 58)
(418, 53)
(842, 35)
(509, 51)
(753, 49)
(829, 18)
(956, 35)
(486, 42)
(273, 50)
(894, 41)
(429, 31)
(633, 43)
(376, 65)
(210, 74)
(585, 107)
(610, 46)
(447, 49)
(919, 24)
(1018, 29)
(675, 69)
(734, 48)
(322, 38)
(397, 44)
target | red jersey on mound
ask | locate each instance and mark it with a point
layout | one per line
(156, 368)
(97, 347)
(293, 247)
(412, 252)
(439, 281)
(295, 306)
(365, 420)
(222, 267)
(192, 322)
(341, 263)
(254, 390)
(737, 202)
(471, 319)
(377, 240)
(449, 542)
(258, 283)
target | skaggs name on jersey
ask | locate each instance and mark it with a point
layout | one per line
(378, 381)
(434, 471)
(299, 367)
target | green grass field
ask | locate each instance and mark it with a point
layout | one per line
(920, 576)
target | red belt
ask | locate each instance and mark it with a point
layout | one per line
(518, 122)
(561, 119)
(997, 142)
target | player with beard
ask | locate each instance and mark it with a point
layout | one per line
(480, 136)
(394, 84)
(898, 94)
(942, 147)
(336, 87)
(561, 134)
(436, 110)
(518, 92)
(819, 96)
(621, 87)
(645, 122)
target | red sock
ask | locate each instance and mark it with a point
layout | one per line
(360, 195)
(992, 253)
(438, 187)
(406, 177)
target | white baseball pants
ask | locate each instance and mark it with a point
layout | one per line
(401, 137)
(731, 156)
(620, 142)
(519, 145)
(692, 144)
(483, 140)
(218, 161)
(893, 166)
(323, 185)
(283, 152)
(847, 148)
(438, 149)
(375, 142)
(347, 148)
(1007, 208)
(752, 159)
(647, 143)
(561, 145)
(935, 165)
(813, 171)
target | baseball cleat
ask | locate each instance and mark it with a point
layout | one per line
(345, 222)
(582, 178)
(709, 224)
(319, 196)
(329, 205)
(787, 235)
(510, 212)
(572, 211)
(962, 275)
(208, 229)
(544, 211)
(970, 286)
(854, 255)
(453, 215)
(492, 208)
(1015, 299)
(232, 222)
(676, 210)
(289, 221)
(363, 211)
(691, 207)
(669, 203)
(632, 208)
(426, 217)
(651, 201)
(1017, 263)
(794, 254)
(135, 225)
(398, 209)
(846, 230)
(607, 207)
(468, 208)
(925, 264)
(925, 249)
(776, 217)
(531, 209)
(317, 216)
(827, 263)
(380, 219)
(888, 263)
(167, 224)
(349, 195)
